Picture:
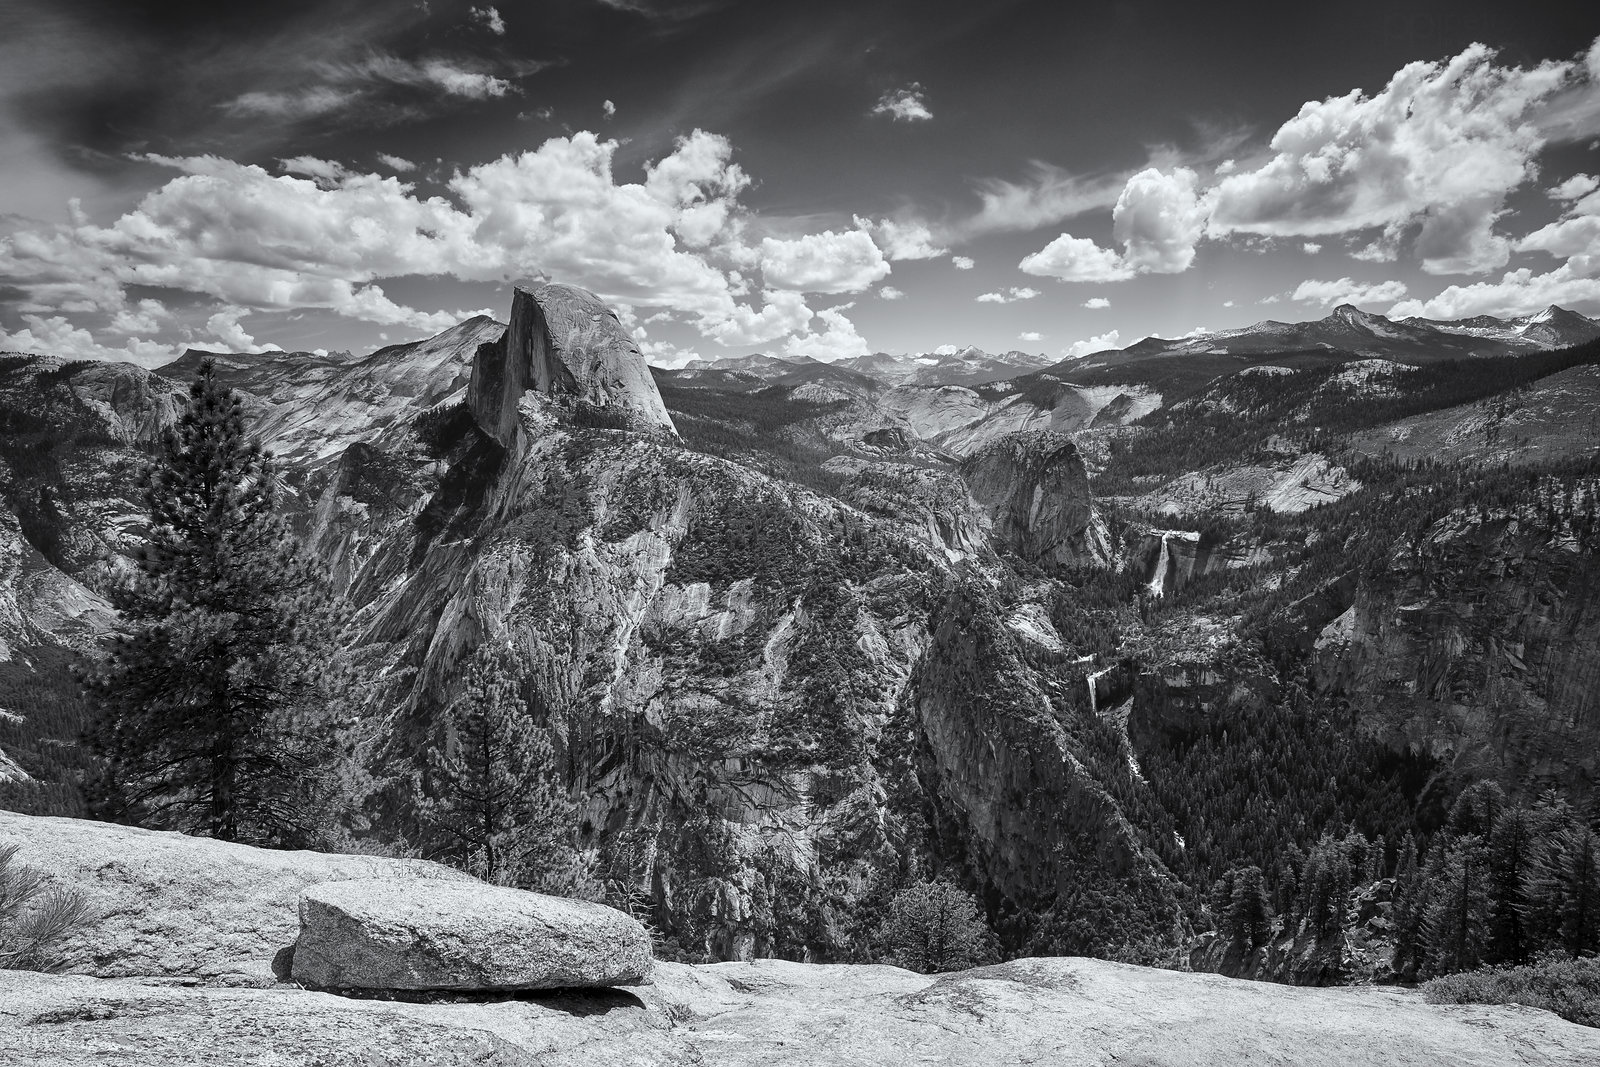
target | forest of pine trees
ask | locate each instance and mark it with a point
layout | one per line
(1502, 882)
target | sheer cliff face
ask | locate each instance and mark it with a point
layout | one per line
(1036, 490)
(565, 344)
(1483, 648)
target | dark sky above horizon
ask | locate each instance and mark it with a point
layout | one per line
(821, 178)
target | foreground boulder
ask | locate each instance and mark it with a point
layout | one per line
(406, 934)
(1060, 1012)
(172, 906)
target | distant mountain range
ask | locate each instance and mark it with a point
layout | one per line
(967, 366)
(1346, 333)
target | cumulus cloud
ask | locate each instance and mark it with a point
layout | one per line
(838, 339)
(1575, 283)
(1437, 150)
(1009, 296)
(323, 236)
(889, 292)
(962, 262)
(1158, 219)
(1576, 187)
(489, 19)
(399, 163)
(55, 335)
(904, 105)
(1348, 291)
(609, 108)
(1102, 343)
(1075, 259)
(902, 240)
(1030, 335)
(224, 326)
(1096, 303)
(1311, 248)
(144, 317)
(825, 262)
(784, 313)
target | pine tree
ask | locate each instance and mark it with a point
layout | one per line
(935, 926)
(217, 705)
(1512, 843)
(1566, 885)
(1249, 919)
(1453, 925)
(1476, 809)
(495, 795)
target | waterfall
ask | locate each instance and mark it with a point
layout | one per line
(1158, 580)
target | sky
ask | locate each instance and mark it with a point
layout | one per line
(814, 178)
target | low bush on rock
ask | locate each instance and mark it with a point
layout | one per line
(1569, 987)
(34, 916)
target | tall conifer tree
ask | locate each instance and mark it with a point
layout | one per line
(217, 702)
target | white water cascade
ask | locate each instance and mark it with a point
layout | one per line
(1158, 580)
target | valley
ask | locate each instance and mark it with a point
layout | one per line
(1083, 638)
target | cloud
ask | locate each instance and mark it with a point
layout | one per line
(962, 262)
(1436, 151)
(1575, 283)
(1311, 248)
(825, 262)
(399, 163)
(56, 336)
(1047, 196)
(904, 105)
(347, 85)
(902, 240)
(609, 108)
(838, 341)
(224, 326)
(1075, 259)
(785, 313)
(1576, 187)
(889, 292)
(146, 317)
(324, 171)
(1008, 297)
(1348, 291)
(1102, 343)
(1518, 292)
(1096, 303)
(323, 236)
(1030, 335)
(489, 19)
(1158, 218)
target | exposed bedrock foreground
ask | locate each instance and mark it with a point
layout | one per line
(131, 1004)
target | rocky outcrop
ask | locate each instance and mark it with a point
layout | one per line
(1062, 1011)
(888, 438)
(1481, 647)
(171, 906)
(408, 934)
(564, 343)
(1035, 488)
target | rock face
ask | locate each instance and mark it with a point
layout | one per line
(1482, 647)
(1036, 490)
(565, 343)
(406, 934)
(174, 906)
(1064, 1012)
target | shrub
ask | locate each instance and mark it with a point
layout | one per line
(1556, 982)
(34, 916)
(934, 926)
